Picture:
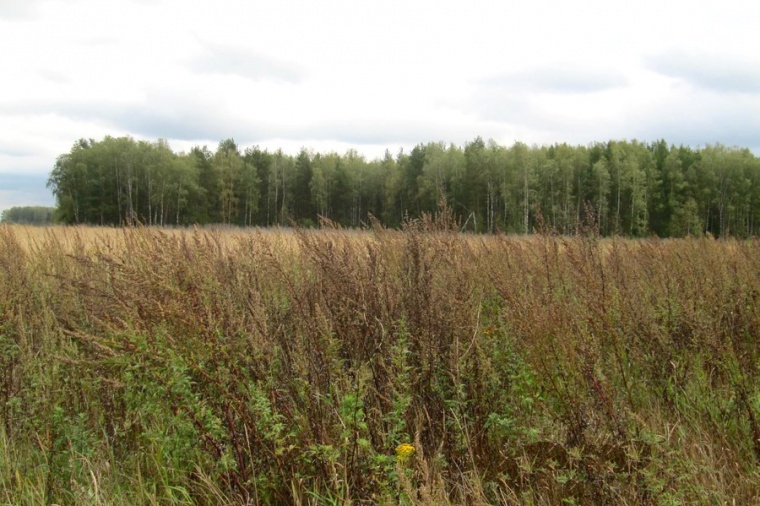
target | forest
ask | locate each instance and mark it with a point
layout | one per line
(28, 215)
(627, 187)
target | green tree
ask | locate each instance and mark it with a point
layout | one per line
(600, 179)
(524, 166)
(302, 189)
(392, 190)
(354, 166)
(281, 180)
(249, 189)
(322, 169)
(412, 167)
(209, 205)
(260, 161)
(633, 188)
(228, 165)
(476, 197)
(443, 164)
(571, 166)
(68, 182)
(183, 189)
(158, 172)
(28, 215)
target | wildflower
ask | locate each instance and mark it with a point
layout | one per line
(403, 452)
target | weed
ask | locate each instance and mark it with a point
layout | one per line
(143, 366)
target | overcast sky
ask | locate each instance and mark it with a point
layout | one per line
(371, 75)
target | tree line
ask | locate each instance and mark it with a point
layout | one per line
(630, 188)
(28, 215)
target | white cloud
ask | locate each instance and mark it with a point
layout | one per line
(558, 78)
(18, 9)
(231, 60)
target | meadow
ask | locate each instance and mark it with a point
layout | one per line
(413, 366)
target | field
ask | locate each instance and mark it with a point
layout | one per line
(421, 366)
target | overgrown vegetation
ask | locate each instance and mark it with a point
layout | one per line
(142, 366)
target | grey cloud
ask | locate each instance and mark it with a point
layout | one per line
(511, 97)
(505, 106)
(192, 118)
(371, 131)
(383, 132)
(501, 106)
(229, 60)
(189, 118)
(699, 117)
(567, 80)
(212, 124)
(724, 74)
(191, 123)
(695, 118)
(161, 115)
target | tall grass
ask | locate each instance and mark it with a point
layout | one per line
(142, 366)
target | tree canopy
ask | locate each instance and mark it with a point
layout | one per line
(629, 188)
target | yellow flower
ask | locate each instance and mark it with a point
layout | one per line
(403, 452)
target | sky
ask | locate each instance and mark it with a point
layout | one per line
(369, 75)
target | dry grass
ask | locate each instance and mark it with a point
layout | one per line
(284, 367)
